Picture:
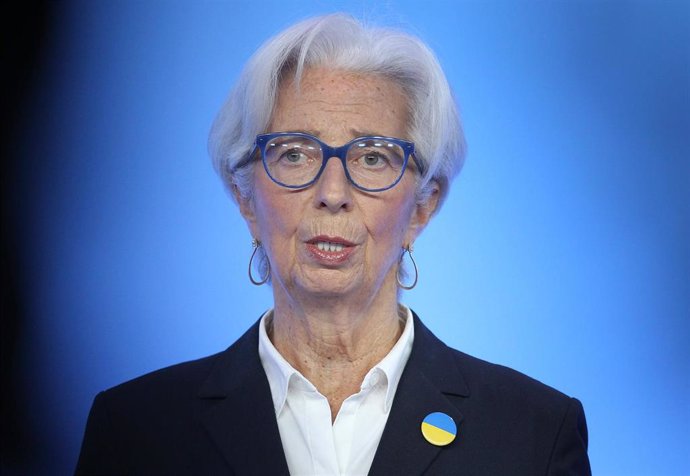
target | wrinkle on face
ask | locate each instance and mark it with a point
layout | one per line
(336, 107)
(345, 101)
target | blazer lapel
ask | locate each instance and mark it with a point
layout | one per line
(429, 376)
(239, 415)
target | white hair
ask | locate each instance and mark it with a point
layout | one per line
(340, 41)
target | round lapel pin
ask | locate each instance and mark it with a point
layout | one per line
(439, 429)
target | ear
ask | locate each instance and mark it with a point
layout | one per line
(422, 213)
(247, 210)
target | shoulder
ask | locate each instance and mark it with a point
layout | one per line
(174, 389)
(478, 379)
(212, 374)
(179, 380)
(519, 402)
(154, 424)
(495, 381)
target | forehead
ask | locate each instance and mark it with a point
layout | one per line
(339, 105)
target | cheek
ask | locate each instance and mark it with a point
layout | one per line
(389, 223)
(274, 215)
(274, 219)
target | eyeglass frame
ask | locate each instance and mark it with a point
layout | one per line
(328, 152)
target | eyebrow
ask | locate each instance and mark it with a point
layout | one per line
(355, 132)
(358, 133)
(311, 132)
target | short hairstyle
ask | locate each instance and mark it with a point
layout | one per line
(339, 41)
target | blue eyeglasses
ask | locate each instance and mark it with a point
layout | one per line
(297, 160)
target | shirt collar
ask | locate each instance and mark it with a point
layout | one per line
(393, 364)
(279, 372)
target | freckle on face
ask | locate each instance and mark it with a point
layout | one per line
(335, 105)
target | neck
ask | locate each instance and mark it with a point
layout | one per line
(335, 342)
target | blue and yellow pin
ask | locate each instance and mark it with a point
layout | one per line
(439, 429)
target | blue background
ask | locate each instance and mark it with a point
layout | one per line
(563, 249)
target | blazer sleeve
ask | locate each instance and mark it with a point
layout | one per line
(569, 454)
(99, 454)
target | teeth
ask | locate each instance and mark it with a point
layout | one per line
(328, 246)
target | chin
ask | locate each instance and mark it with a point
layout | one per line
(327, 283)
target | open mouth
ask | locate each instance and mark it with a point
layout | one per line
(330, 250)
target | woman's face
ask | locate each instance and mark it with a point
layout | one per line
(331, 239)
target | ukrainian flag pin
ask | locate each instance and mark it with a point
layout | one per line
(439, 429)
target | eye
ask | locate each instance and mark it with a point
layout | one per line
(373, 160)
(294, 156)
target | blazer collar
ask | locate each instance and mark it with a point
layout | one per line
(240, 417)
(431, 375)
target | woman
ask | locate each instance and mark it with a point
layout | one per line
(339, 143)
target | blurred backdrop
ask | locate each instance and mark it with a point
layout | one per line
(563, 249)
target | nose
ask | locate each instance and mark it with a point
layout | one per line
(333, 190)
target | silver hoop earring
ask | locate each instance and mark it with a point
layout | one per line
(256, 244)
(408, 250)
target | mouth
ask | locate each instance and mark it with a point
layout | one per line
(330, 250)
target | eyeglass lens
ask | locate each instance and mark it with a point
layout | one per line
(371, 163)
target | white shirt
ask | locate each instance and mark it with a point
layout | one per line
(312, 444)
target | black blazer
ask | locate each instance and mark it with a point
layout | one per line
(215, 416)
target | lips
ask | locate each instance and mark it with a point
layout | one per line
(330, 250)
